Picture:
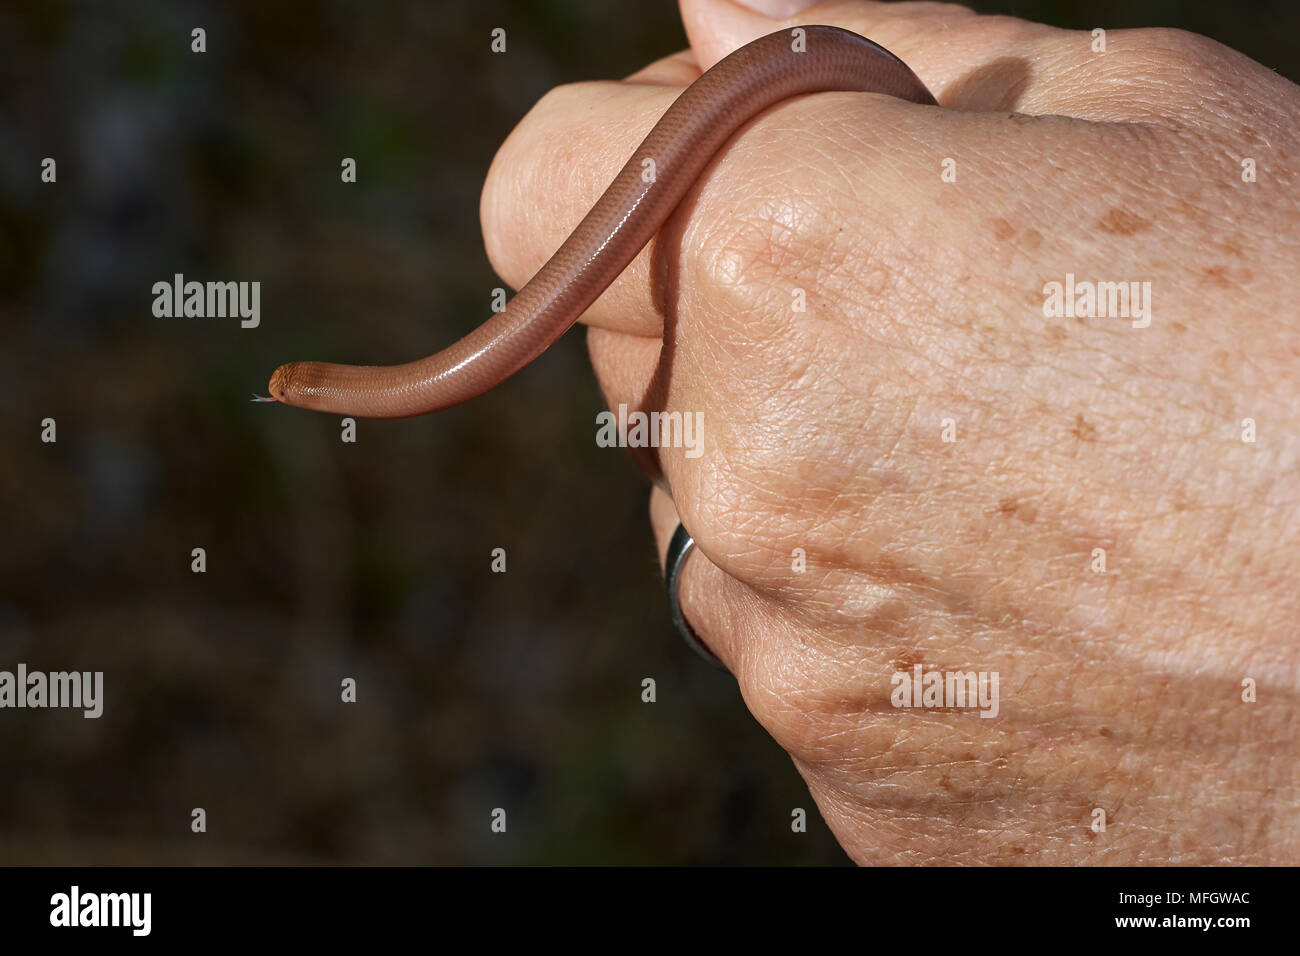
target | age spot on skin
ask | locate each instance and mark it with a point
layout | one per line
(1217, 276)
(1003, 231)
(1013, 508)
(1082, 430)
(1118, 222)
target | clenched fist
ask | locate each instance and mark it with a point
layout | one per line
(1005, 389)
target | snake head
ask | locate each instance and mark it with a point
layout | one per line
(278, 387)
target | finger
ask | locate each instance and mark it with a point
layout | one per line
(551, 170)
(708, 597)
(921, 34)
(563, 155)
(626, 367)
(558, 161)
(676, 69)
(969, 61)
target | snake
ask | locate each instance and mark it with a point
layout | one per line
(644, 193)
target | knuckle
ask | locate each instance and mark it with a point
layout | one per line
(766, 239)
(760, 247)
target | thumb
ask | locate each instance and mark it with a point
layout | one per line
(717, 27)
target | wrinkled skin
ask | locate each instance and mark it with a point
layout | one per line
(824, 429)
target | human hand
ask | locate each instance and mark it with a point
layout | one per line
(951, 467)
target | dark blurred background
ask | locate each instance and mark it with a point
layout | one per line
(328, 560)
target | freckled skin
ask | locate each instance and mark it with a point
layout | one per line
(1120, 222)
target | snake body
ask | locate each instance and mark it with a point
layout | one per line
(691, 131)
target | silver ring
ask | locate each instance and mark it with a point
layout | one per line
(679, 549)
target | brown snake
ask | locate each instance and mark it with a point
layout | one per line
(758, 75)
